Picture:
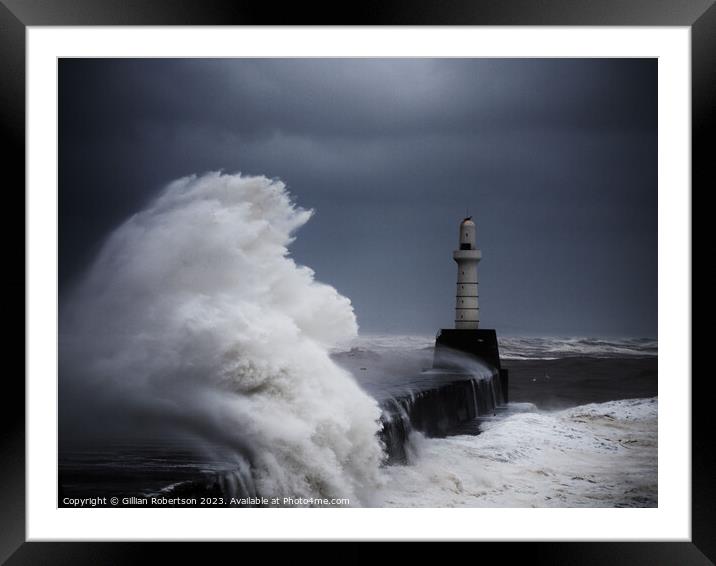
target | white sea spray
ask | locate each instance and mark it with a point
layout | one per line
(195, 312)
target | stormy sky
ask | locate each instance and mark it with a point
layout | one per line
(555, 159)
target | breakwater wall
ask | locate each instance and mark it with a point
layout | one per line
(434, 411)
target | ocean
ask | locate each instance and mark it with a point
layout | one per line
(580, 431)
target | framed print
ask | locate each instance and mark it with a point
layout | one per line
(241, 243)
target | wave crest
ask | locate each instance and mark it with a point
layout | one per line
(195, 314)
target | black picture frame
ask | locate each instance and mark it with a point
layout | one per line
(16, 15)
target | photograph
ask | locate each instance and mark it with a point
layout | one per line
(357, 282)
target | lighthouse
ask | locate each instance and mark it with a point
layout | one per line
(467, 338)
(467, 256)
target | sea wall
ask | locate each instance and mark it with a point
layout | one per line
(432, 402)
(437, 410)
(451, 399)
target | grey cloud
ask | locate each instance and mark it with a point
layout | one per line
(555, 158)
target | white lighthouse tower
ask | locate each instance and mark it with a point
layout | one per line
(467, 338)
(467, 310)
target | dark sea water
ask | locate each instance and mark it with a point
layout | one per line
(580, 430)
